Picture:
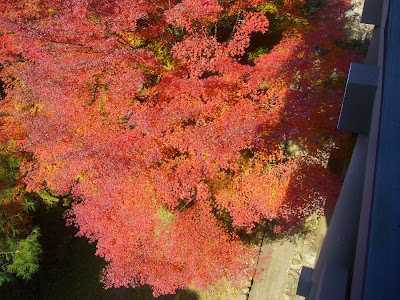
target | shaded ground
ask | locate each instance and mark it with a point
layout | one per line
(69, 268)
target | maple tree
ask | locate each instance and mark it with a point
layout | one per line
(168, 127)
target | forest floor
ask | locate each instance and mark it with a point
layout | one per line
(70, 270)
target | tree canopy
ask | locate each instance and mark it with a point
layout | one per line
(170, 123)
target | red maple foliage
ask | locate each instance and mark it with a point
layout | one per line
(152, 115)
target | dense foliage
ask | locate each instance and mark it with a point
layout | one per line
(19, 245)
(171, 123)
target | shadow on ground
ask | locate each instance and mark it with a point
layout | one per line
(69, 269)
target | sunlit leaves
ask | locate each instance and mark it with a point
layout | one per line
(149, 114)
